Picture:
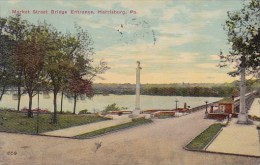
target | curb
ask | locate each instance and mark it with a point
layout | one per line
(73, 137)
(185, 147)
(212, 139)
(122, 129)
(215, 152)
(34, 134)
(222, 153)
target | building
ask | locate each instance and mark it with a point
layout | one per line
(226, 105)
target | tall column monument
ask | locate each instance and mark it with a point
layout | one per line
(242, 116)
(137, 109)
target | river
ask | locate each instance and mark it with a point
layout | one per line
(99, 102)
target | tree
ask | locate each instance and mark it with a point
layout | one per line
(31, 52)
(5, 57)
(66, 62)
(80, 88)
(57, 66)
(5, 60)
(15, 29)
(243, 27)
(70, 46)
(83, 72)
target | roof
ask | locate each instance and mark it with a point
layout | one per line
(226, 100)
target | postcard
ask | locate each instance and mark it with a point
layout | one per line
(128, 82)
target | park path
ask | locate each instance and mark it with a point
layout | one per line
(159, 143)
(237, 139)
(78, 130)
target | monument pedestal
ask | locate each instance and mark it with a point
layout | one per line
(242, 118)
(135, 113)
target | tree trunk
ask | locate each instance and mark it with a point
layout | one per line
(61, 102)
(75, 103)
(2, 92)
(19, 97)
(54, 121)
(30, 105)
(19, 102)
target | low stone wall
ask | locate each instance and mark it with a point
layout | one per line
(164, 113)
(155, 110)
(218, 116)
(202, 107)
(119, 112)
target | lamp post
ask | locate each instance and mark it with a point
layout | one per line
(176, 103)
(206, 112)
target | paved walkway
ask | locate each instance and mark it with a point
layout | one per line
(78, 130)
(237, 139)
(255, 108)
(159, 143)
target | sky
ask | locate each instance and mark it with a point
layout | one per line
(176, 41)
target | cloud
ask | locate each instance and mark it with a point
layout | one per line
(182, 28)
(160, 51)
(13, 1)
(171, 12)
(186, 57)
(143, 8)
(89, 21)
(111, 77)
(208, 14)
(189, 38)
(66, 3)
(214, 57)
(101, 4)
(207, 66)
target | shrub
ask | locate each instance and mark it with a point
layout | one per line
(85, 111)
(67, 112)
(113, 107)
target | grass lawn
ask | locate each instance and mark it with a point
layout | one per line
(18, 122)
(135, 122)
(205, 137)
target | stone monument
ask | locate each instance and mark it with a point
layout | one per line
(137, 109)
(242, 116)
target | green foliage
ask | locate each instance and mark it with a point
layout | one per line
(205, 137)
(67, 112)
(113, 107)
(33, 54)
(197, 90)
(85, 111)
(243, 31)
(254, 117)
(18, 122)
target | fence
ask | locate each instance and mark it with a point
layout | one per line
(202, 106)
